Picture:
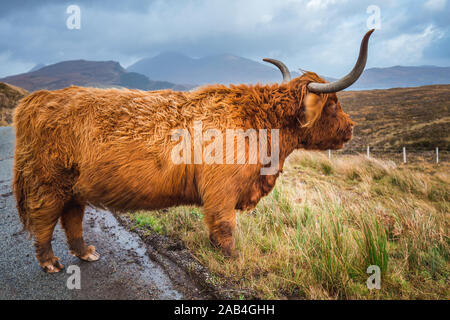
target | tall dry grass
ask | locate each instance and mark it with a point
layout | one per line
(324, 223)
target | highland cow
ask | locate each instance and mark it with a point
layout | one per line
(111, 148)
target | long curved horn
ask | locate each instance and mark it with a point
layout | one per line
(284, 70)
(350, 78)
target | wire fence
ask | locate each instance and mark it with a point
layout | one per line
(400, 155)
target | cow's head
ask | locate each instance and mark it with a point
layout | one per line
(324, 125)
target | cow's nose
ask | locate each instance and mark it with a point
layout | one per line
(349, 133)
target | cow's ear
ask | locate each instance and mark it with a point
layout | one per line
(313, 108)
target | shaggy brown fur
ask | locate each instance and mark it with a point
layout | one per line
(112, 148)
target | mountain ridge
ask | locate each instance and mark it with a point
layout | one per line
(174, 70)
(402, 76)
(86, 73)
(223, 68)
(228, 68)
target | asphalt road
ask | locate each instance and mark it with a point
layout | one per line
(124, 271)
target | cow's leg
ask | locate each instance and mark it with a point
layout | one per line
(44, 214)
(221, 223)
(72, 222)
(219, 199)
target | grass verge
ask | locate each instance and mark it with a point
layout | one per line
(324, 224)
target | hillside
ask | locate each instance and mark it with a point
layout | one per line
(224, 68)
(416, 118)
(101, 74)
(9, 97)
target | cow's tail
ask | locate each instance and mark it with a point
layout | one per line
(19, 189)
(20, 184)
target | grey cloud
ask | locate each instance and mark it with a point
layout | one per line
(318, 35)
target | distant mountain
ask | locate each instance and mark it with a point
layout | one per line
(176, 71)
(224, 68)
(85, 73)
(399, 76)
(134, 80)
(228, 68)
(9, 97)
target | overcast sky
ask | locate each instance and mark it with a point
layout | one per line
(318, 35)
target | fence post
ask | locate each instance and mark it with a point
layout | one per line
(437, 154)
(329, 154)
(368, 152)
(404, 155)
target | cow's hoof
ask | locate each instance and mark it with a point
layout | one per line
(213, 241)
(90, 255)
(226, 247)
(52, 265)
(229, 251)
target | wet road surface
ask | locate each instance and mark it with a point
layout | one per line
(124, 270)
